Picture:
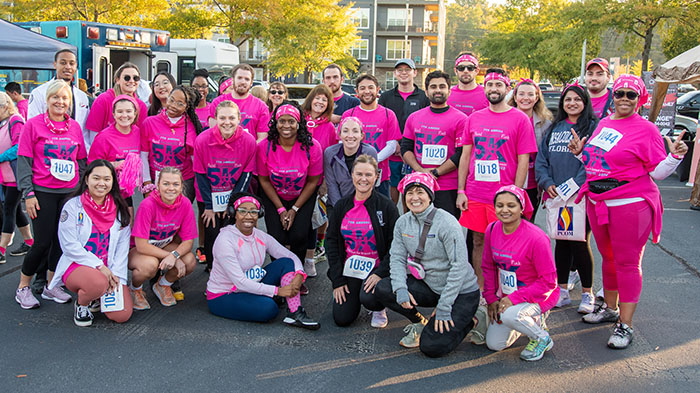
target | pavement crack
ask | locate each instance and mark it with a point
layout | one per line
(680, 259)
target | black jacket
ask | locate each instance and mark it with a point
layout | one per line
(383, 215)
(392, 99)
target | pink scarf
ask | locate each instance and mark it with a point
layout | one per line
(102, 216)
(220, 141)
(52, 127)
(159, 201)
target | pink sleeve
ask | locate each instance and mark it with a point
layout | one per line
(143, 220)
(261, 158)
(225, 256)
(17, 128)
(526, 138)
(656, 150)
(143, 113)
(146, 136)
(213, 105)
(250, 150)
(199, 154)
(26, 140)
(394, 130)
(82, 152)
(344, 115)
(408, 132)
(188, 225)
(541, 256)
(460, 129)
(316, 162)
(97, 150)
(489, 268)
(263, 118)
(97, 117)
(466, 138)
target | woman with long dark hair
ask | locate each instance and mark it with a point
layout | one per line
(200, 83)
(161, 86)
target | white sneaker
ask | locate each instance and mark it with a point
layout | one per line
(574, 279)
(587, 303)
(564, 298)
(379, 319)
(310, 267)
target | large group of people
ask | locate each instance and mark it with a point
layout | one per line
(417, 198)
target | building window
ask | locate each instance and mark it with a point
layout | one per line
(398, 49)
(360, 17)
(390, 80)
(398, 17)
(360, 49)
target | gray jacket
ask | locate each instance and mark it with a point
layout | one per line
(337, 174)
(447, 271)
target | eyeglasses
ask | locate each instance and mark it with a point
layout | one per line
(179, 104)
(200, 87)
(403, 70)
(469, 68)
(163, 84)
(631, 95)
(277, 92)
(127, 78)
(245, 212)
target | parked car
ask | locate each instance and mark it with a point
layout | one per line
(298, 92)
(545, 86)
(689, 104)
(685, 88)
(687, 124)
(264, 84)
(551, 100)
(348, 89)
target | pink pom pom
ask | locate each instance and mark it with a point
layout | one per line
(130, 174)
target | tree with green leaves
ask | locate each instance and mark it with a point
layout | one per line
(188, 19)
(467, 24)
(122, 12)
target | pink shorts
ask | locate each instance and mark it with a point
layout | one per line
(478, 216)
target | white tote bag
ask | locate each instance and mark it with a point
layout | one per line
(566, 220)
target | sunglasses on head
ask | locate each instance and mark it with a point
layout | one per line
(461, 68)
(631, 95)
(127, 78)
(277, 92)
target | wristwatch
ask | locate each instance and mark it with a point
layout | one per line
(175, 254)
(435, 173)
(296, 209)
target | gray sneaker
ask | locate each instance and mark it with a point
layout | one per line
(621, 337)
(26, 299)
(412, 338)
(602, 314)
(57, 294)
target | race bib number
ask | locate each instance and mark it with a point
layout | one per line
(255, 273)
(219, 200)
(358, 267)
(606, 139)
(63, 170)
(508, 281)
(433, 154)
(161, 243)
(487, 170)
(567, 189)
(112, 301)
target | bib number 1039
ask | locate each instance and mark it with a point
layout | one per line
(358, 267)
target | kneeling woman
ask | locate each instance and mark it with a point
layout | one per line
(359, 236)
(239, 286)
(520, 277)
(94, 235)
(441, 276)
(164, 231)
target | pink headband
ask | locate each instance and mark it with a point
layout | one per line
(129, 98)
(626, 81)
(527, 81)
(421, 178)
(521, 196)
(469, 58)
(498, 77)
(290, 110)
(347, 119)
(225, 85)
(245, 199)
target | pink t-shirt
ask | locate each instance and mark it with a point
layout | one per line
(525, 258)
(98, 244)
(468, 101)
(22, 108)
(112, 145)
(100, 116)
(598, 104)
(203, 115)
(623, 149)
(43, 145)
(288, 170)
(380, 126)
(531, 182)
(404, 95)
(165, 144)
(323, 132)
(159, 224)
(356, 229)
(428, 128)
(497, 137)
(255, 115)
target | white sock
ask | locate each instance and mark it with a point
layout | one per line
(131, 286)
(309, 260)
(164, 282)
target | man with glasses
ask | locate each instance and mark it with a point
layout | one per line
(597, 79)
(467, 96)
(333, 77)
(404, 99)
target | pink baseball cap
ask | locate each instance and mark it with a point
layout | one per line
(600, 62)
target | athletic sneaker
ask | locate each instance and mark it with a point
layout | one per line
(379, 319)
(2, 258)
(94, 305)
(82, 315)
(412, 337)
(177, 291)
(23, 249)
(57, 294)
(300, 319)
(603, 314)
(310, 267)
(319, 252)
(26, 299)
(564, 298)
(201, 256)
(481, 325)
(621, 337)
(139, 299)
(164, 294)
(574, 279)
(535, 349)
(303, 290)
(587, 303)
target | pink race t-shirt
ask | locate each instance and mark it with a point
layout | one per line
(496, 138)
(22, 108)
(437, 133)
(288, 170)
(598, 104)
(468, 101)
(380, 127)
(100, 116)
(112, 145)
(255, 115)
(164, 142)
(223, 161)
(159, 224)
(98, 244)
(356, 229)
(623, 149)
(51, 151)
(203, 115)
(404, 95)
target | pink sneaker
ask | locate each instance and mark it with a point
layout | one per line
(26, 299)
(57, 294)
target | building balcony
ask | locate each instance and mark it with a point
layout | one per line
(413, 30)
(255, 56)
(411, 2)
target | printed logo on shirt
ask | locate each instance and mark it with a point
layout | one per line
(372, 134)
(59, 152)
(166, 155)
(98, 244)
(222, 176)
(426, 139)
(358, 240)
(64, 216)
(380, 217)
(286, 184)
(155, 234)
(487, 148)
(594, 160)
(81, 218)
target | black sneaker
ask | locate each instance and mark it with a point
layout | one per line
(300, 319)
(82, 315)
(23, 249)
(2, 258)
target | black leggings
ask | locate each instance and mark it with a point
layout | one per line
(346, 313)
(45, 233)
(432, 343)
(297, 236)
(572, 255)
(447, 200)
(12, 210)
(210, 234)
(533, 194)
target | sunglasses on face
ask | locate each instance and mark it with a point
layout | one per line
(631, 95)
(469, 68)
(127, 78)
(277, 92)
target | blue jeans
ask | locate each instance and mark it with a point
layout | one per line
(250, 307)
(383, 188)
